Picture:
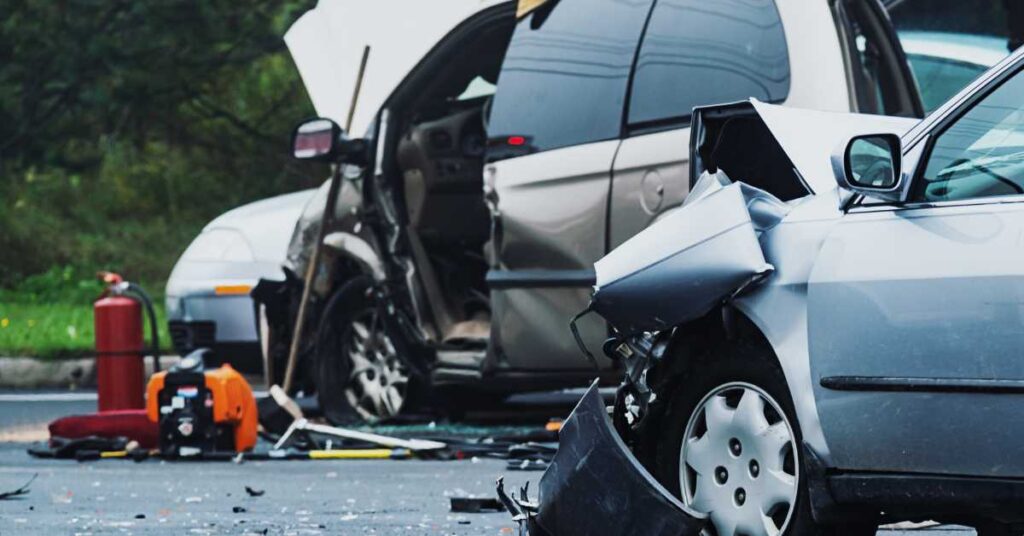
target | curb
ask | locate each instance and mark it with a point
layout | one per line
(32, 373)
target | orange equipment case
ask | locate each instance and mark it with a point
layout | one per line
(233, 403)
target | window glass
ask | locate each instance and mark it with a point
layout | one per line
(982, 153)
(565, 75)
(950, 42)
(939, 79)
(697, 52)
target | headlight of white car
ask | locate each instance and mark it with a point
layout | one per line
(225, 245)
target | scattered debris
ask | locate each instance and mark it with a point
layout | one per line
(527, 465)
(303, 425)
(140, 516)
(238, 509)
(23, 490)
(476, 505)
(278, 411)
(253, 492)
(591, 455)
(80, 448)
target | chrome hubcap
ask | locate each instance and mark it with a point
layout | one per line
(378, 380)
(738, 462)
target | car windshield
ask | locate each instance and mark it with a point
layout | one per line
(982, 153)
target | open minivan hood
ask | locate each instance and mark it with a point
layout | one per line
(327, 44)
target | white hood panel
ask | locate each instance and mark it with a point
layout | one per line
(809, 136)
(327, 44)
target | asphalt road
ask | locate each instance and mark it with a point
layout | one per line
(302, 497)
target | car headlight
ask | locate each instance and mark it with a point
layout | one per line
(225, 245)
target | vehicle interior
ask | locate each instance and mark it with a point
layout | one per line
(438, 161)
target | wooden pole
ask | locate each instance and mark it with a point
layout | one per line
(325, 222)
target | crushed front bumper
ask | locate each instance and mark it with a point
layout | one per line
(596, 486)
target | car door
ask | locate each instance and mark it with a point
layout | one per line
(693, 53)
(554, 129)
(916, 311)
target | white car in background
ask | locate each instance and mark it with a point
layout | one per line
(208, 302)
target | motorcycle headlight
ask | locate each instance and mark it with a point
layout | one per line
(224, 245)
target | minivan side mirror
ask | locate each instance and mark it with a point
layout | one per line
(322, 139)
(871, 165)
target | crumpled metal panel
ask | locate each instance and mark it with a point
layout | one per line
(684, 265)
(595, 485)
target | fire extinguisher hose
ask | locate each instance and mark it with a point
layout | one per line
(154, 334)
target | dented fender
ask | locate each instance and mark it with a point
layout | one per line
(689, 262)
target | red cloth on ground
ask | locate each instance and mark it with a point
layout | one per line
(130, 423)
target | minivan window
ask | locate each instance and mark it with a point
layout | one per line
(565, 74)
(696, 53)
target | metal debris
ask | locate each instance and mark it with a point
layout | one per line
(23, 490)
(476, 505)
(253, 492)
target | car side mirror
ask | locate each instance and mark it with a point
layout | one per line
(871, 165)
(322, 139)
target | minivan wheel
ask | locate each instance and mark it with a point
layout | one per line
(360, 374)
(730, 447)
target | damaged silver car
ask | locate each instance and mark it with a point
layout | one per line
(815, 344)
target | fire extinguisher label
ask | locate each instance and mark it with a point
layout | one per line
(177, 402)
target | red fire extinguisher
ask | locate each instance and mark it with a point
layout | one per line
(119, 343)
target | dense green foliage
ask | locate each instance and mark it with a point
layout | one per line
(126, 125)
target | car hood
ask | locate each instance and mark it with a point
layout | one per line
(266, 224)
(810, 136)
(327, 44)
(743, 137)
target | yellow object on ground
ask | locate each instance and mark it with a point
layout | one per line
(360, 454)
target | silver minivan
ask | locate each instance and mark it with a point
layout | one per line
(506, 151)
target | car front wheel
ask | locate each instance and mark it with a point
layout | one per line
(360, 374)
(730, 447)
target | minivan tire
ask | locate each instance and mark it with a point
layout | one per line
(352, 315)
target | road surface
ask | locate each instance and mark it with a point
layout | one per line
(301, 497)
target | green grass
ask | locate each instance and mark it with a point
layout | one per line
(55, 330)
(50, 316)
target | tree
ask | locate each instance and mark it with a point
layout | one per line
(126, 125)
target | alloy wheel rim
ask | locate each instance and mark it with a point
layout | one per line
(738, 462)
(378, 381)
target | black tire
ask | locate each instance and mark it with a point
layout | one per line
(352, 302)
(738, 361)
